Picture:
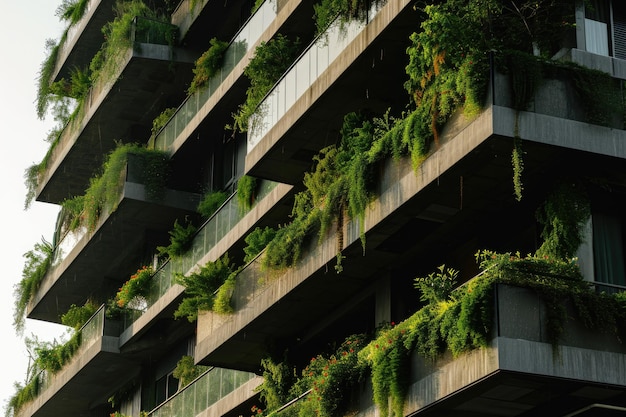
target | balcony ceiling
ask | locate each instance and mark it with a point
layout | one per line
(101, 262)
(84, 39)
(121, 113)
(512, 394)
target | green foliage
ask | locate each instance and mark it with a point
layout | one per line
(44, 96)
(103, 193)
(186, 371)
(271, 59)
(599, 93)
(161, 120)
(137, 285)
(181, 238)
(211, 201)
(341, 12)
(53, 356)
(72, 10)
(256, 241)
(387, 357)
(437, 286)
(286, 248)
(23, 395)
(563, 216)
(201, 287)
(77, 316)
(37, 263)
(278, 378)
(207, 65)
(246, 192)
(221, 303)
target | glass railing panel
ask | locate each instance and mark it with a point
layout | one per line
(248, 36)
(208, 235)
(316, 59)
(205, 391)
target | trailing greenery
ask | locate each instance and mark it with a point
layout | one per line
(103, 193)
(77, 316)
(563, 216)
(72, 10)
(329, 377)
(161, 120)
(137, 285)
(271, 59)
(186, 371)
(211, 201)
(181, 238)
(37, 262)
(201, 287)
(208, 65)
(340, 12)
(256, 241)
(246, 192)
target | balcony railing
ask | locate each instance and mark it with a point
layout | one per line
(90, 332)
(143, 31)
(246, 38)
(312, 63)
(209, 234)
(205, 391)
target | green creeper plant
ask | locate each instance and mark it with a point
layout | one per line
(186, 371)
(181, 238)
(207, 66)
(211, 201)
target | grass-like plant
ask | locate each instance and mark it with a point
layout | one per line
(37, 263)
(77, 316)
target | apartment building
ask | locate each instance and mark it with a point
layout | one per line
(406, 151)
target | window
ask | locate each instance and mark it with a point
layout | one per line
(166, 387)
(605, 27)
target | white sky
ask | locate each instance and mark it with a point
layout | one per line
(24, 29)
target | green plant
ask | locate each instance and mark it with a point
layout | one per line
(186, 371)
(221, 303)
(181, 238)
(201, 287)
(161, 120)
(271, 59)
(211, 201)
(37, 262)
(256, 241)
(278, 379)
(437, 286)
(563, 216)
(77, 316)
(246, 192)
(52, 356)
(103, 193)
(340, 12)
(72, 10)
(207, 65)
(137, 286)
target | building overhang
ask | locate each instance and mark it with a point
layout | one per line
(150, 78)
(103, 259)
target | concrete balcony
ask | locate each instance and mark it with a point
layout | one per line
(119, 107)
(458, 201)
(345, 69)
(88, 379)
(224, 231)
(206, 113)
(98, 261)
(520, 374)
(83, 39)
